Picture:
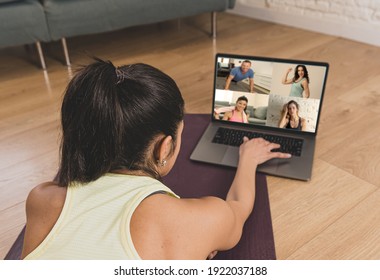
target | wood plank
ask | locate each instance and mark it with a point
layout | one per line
(351, 139)
(366, 96)
(359, 155)
(17, 180)
(10, 230)
(352, 237)
(302, 210)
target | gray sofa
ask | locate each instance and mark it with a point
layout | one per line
(35, 21)
(257, 115)
(23, 22)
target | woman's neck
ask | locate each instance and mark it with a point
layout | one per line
(131, 172)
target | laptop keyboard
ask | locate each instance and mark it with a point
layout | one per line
(234, 137)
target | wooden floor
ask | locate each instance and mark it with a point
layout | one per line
(334, 216)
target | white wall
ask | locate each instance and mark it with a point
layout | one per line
(353, 19)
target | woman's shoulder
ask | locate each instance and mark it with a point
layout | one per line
(43, 207)
(181, 221)
(46, 188)
(46, 195)
(229, 113)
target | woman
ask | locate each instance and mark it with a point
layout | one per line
(238, 114)
(290, 118)
(121, 132)
(300, 82)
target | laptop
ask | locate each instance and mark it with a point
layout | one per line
(279, 100)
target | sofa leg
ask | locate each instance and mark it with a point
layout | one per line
(66, 52)
(213, 25)
(41, 55)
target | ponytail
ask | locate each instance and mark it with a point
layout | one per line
(110, 116)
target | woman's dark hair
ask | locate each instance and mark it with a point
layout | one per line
(110, 117)
(295, 103)
(244, 99)
(306, 73)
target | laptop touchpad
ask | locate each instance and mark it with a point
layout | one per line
(231, 156)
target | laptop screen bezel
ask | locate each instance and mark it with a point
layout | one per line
(276, 60)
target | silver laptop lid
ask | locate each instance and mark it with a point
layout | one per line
(276, 93)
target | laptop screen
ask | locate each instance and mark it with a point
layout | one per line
(285, 94)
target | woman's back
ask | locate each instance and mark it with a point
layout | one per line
(95, 219)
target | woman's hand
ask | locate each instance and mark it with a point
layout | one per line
(258, 150)
(285, 78)
(284, 111)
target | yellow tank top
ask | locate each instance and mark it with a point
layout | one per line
(95, 219)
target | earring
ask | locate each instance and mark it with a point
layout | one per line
(162, 163)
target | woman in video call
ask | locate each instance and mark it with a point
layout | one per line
(121, 132)
(300, 82)
(290, 118)
(238, 114)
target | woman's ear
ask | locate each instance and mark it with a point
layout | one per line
(165, 148)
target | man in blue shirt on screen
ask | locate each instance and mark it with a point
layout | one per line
(238, 74)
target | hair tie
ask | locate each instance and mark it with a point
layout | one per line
(119, 75)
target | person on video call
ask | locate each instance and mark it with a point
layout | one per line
(121, 133)
(238, 74)
(300, 81)
(238, 113)
(290, 118)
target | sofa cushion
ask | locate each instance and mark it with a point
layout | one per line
(260, 113)
(22, 22)
(250, 110)
(67, 18)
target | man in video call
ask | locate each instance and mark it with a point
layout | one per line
(238, 74)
